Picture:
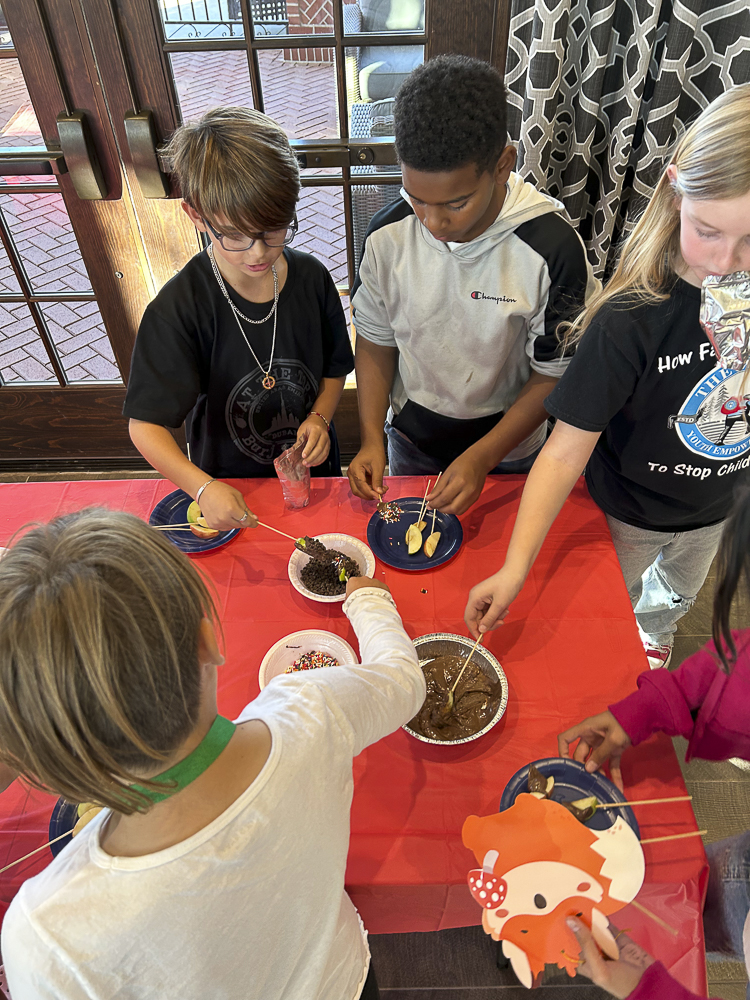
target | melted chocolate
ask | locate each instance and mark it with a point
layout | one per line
(475, 700)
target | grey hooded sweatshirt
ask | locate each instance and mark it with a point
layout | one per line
(470, 320)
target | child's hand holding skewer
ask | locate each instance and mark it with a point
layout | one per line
(619, 977)
(224, 507)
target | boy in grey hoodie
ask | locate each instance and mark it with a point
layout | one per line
(463, 282)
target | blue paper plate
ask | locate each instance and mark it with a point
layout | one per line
(573, 781)
(62, 820)
(173, 510)
(388, 541)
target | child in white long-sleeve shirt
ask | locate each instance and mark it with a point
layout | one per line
(224, 877)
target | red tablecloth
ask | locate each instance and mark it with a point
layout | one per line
(569, 647)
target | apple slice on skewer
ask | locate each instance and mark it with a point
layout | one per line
(413, 539)
(432, 542)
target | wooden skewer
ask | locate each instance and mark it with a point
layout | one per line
(646, 802)
(466, 663)
(673, 836)
(32, 853)
(657, 920)
(261, 525)
(433, 517)
(424, 501)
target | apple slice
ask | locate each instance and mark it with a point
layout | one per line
(202, 530)
(431, 544)
(193, 512)
(85, 818)
(413, 539)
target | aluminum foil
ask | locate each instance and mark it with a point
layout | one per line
(445, 644)
(725, 316)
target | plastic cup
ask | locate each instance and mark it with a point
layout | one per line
(294, 477)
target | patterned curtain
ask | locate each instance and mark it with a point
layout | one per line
(599, 90)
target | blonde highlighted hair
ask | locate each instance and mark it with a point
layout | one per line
(236, 164)
(712, 163)
(99, 675)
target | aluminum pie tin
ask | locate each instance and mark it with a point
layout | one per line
(436, 644)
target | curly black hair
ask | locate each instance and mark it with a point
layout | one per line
(449, 112)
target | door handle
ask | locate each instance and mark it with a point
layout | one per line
(29, 161)
(141, 136)
(80, 156)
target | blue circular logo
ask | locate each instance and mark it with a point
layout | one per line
(715, 419)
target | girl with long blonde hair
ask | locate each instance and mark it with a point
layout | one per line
(646, 406)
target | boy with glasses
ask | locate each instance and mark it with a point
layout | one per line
(247, 343)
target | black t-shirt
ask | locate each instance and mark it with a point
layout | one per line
(676, 427)
(191, 363)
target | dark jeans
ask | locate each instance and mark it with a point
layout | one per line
(405, 459)
(370, 990)
(728, 897)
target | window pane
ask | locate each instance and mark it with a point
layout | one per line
(373, 75)
(18, 124)
(366, 201)
(195, 19)
(22, 354)
(81, 341)
(205, 80)
(45, 242)
(8, 281)
(5, 39)
(322, 231)
(295, 17)
(299, 91)
(361, 16)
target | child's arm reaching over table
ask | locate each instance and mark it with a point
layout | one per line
(552, 477)
(221, 504)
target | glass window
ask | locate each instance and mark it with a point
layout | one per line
(322, 230)
(22, 354)
(361, 16)
(367, 199)
(299, 91)
(8, 281)
(45, 242)
(205, 80)
(78, 333)
(192, 20)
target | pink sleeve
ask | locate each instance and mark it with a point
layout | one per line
(666, 700)
(657, 982)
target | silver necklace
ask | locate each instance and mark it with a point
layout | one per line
(269, 381)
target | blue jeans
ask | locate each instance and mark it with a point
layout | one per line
(728, 897)
(405, 459)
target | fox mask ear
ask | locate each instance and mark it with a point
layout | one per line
(520, 962)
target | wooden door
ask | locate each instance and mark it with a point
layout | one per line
(127, 72)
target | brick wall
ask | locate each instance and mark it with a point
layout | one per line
(309, 17)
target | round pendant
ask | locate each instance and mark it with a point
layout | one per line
(269, 382)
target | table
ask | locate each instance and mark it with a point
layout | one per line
(569, 647)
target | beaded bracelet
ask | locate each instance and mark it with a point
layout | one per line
(314, 413)
(202, 488)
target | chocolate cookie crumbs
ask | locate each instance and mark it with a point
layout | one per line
(323, 577)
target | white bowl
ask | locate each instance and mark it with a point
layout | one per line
(284, 652)
(350, 546)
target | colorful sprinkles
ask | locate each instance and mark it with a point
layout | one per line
(311, 661)
(390, 512)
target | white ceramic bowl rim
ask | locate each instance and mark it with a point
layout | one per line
(349, 545)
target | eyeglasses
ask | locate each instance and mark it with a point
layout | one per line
(272, 238)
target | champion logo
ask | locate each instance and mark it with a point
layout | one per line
(492, 298)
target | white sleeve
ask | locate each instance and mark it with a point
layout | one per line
(33, 970)
(374, 698)
(370, 314)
